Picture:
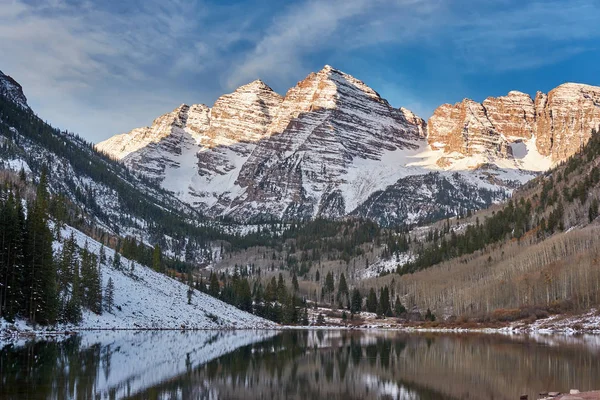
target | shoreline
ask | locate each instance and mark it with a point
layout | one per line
(583, 324)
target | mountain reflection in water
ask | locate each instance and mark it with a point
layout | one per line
(298, 364)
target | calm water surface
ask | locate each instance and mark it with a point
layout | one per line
(297, 364)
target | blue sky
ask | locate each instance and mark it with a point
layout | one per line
(104, 67)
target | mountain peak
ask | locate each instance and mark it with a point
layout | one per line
(12, 90)
(254, 86)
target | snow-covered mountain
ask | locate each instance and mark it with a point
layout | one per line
(103, 195)
(333, 147)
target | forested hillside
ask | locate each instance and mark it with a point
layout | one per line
(536, 254)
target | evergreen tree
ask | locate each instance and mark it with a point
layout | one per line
(372, 301)
(343, 292)
(384, 308)
(295, 285)
(271, 290)
(356, 302)
(320, 319)
(12, 231)
(72, 312)
(116, 264)
(68, 262)
(281, 289)
(244, 295)
(305, 317)
(41, 298)
(429, 316)
(109, 295)
(399, 309)
(593, 210)
(214, 288)
(91, 281)
(157, 259)
(102, 255)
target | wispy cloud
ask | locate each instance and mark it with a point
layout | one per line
(105, 67)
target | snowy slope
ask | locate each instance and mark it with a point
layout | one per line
(150, 300)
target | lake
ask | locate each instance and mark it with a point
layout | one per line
(318, 364)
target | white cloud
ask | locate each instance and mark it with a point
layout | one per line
(78, 61)
(101, 70)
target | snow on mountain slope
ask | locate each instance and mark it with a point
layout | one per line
(327, 124)
(145, 299)
(283, 157)
(12, 90)
(332, 142)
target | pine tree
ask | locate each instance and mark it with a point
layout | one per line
(281, 289)
(12, 231)
(214, 287)
(320, 319)
(68, 262)
(244, 295)
(91, 281)
(356, 302)
(157, 259)
(384, 308)
(593, 210)
(102, 254)
(429, 316)
(109, 295)
(372, 301)
(295, 285)
(41, 298)
(116, 263)
(399, 309)
(72, 313)
(305, 317)
(342, 290)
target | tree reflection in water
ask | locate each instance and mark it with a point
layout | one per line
(305, 364)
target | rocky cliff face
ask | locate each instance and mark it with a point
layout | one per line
(327, 126)
(560, 122)
(256, 154)
(12, 90)
(565, 118)
(333, 147)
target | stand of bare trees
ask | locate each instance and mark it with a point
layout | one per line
(560, 272)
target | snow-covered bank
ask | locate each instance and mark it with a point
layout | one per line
(145, 299)
(588, 323)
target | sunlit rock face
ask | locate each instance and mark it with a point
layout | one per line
(257, 154)
(565, 119)
(333, 147)
(561, 122)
